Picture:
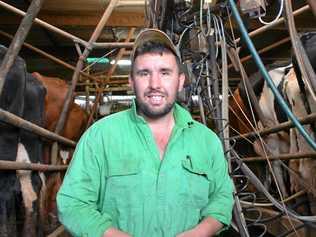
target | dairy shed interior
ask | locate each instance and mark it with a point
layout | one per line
(87, 45)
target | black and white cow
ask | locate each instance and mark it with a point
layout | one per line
(290, 84)
(23, 96)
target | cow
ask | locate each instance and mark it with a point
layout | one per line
(38, 99)
(288, 79)
(23, 96)
(54, 101)
(74, 126)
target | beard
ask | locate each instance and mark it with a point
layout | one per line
(149, 111)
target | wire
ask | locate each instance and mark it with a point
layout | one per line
(270, 204)
(277, 17)
(207, 19)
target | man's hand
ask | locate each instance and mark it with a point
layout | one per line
(112, 232)
(189, 233)
(208, 227)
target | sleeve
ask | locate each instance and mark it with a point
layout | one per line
(78, 196)
(221, 199)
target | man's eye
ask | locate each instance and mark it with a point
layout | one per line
(143, 73)
(165, 73)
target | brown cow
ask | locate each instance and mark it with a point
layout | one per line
(54, 102)
(73, 129)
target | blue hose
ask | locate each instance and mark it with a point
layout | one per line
(267, 77)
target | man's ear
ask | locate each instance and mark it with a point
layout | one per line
(181, 81)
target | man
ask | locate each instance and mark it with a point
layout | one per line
(150, 171)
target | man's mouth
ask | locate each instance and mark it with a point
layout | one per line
(155, 99)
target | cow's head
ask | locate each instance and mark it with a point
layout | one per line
(309, 44)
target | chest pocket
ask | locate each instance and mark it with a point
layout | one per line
(124, 183)
(199, 178)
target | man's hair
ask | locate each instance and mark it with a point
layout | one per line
(156, 48)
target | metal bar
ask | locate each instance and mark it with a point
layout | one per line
(267, 77)
(87, 90)
(282, 126)
(58, 232)
(260, 187)
(18, 40)
(21, 123)
(281, 20)
(79, 65)
(108, 75)
(214, 77)
(51, 57)
(128, 45)
(263, 50)
(111, 82)
(14, 165)
(121, 88)
(120, 54)
(252, 96)
(282, 157)
(45, 24)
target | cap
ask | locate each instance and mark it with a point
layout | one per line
(156, 36)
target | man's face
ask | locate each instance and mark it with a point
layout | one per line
(156, 81)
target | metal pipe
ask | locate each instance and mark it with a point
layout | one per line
(260, 187)
(282, 126)
(45, 24)
(267, 77)
(14, 165)
(214, 77)
(14, 120)
(51, 57)
(105, 90)
(252, 96)
(58, 232)
(282, 157)
(108, 75)
(18, 40)
(111, 82)
(79, 66)
(121, 88)
(69, 96)
(281, 20)
(120, 54)
(263, 50)
(128, 45)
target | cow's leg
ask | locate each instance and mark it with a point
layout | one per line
(295, 184)
(28, 193)
(41, 205)
(3, 219)
(294, 164)
(307, 166)
(8, 212)
(272, 148)
(53, 184)
(273, 143)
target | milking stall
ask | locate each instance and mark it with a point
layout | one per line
(249, 70)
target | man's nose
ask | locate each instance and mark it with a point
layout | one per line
(155, 81)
